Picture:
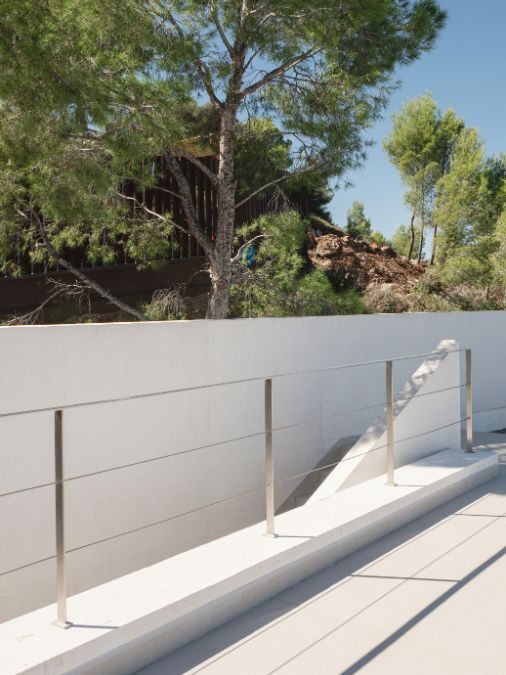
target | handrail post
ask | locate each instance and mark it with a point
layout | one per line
(61, 589)
(269, 461)
(469, 401)
(390, 422)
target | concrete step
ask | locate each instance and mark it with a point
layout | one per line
(132, 621)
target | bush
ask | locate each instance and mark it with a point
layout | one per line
(435, 293)
(314, 296)
(276, 285)
(384, 299)
(167, 304)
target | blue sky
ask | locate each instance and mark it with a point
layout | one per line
(465, 71)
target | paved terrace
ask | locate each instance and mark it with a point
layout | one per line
(428, 598)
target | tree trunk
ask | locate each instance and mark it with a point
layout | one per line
(220, 293)
(221, 261)
(434, 245)
(422, 237)
(420, 248)
(411, 235)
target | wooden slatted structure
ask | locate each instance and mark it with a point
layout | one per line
(163, 199)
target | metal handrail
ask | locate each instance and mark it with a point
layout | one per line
(182, 390)
(270, 482)
(237, 439)
(257, 488)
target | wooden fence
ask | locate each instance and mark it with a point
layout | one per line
(163, 199)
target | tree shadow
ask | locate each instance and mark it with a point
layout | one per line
(431, 607)
(267, 615)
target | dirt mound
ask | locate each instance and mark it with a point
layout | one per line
(351, 263)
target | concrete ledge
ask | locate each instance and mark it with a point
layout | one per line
(131, 621)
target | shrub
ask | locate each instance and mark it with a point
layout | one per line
(314, 296)
(276, 284)
(384, 299)
(167, 304)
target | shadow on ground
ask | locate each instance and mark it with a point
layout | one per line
(211, 647)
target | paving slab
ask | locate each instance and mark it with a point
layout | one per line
(428, 598)
(125, 624)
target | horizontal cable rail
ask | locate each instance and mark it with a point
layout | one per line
(182, 390)
(364, 408)
(237, 495)
(267, 487)
(363, 454)
(428, 393)
(168, 519)
(328, 417)
(28, 489)
(24, 567)
(257, 434)
(237, 439)
(499, 407)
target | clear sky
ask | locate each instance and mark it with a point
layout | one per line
(465, 71)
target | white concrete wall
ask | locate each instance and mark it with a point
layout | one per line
(60, 365)
(427, 418)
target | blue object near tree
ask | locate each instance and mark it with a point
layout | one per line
(248, 256)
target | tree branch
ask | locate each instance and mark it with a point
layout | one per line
(219, 28)
(178, 150)
(188, 206)
(202, 67)
(276, 72)
(86, 280)
(276, 182)
(169, 192)
(147, 210)
(252, 58)
(237, 256)
(32, 317)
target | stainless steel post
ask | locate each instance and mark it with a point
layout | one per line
(61, 589)
(469, 401)
(390, 423)
(269, 461)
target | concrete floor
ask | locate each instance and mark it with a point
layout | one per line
(429, 598)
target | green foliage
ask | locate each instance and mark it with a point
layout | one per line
(80, 114)
(470, 199)
(91, 89)
(453, 187)
(262, 154)
(331, 69)
(76, 55)
(422, 135)
(330, 66)
(433, 294)
(379, 238)
(420, 146)
(460, 194)
(358, 226)
(472, 265)
(401, 241)
(315, 296)
(166, 305)
(348, 82)
(279, 285)
(69, 178)
(500, 260)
